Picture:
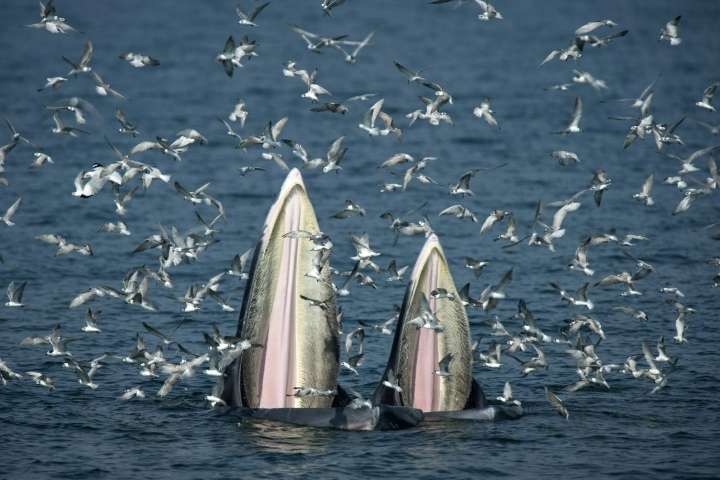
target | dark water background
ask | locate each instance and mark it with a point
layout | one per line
(624, 433)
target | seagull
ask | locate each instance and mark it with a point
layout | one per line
(633, 312)
(594, 25)
(443, 365)
(83, 66)
(687, 163)
(125, 125)
(10, 212)
(41, 158)
(6, 373)
(462, 187)
(371, 116)
(494, 217)
(53, 82)
(183, 370)
(15, 294)
(623, 278)
(321, 304)
(130, 393)
(239, 265)
(103, 88)
(488, 11)
(61, 129)
(574, 124)
(459, 211)
(391, 381)
(662, 355)
(644, 195)
(313, 89)
(395, 274)
(341, 107)
(334, 155)
(232, 54)
(138, 60)
(172, 149)
(316, 42)
(312, 392)
(580, 262)
(507, 396)
(491, 358)
(249, 20)
(50, 21)
(682, 310)
(353, 362)
(238, 114)
(586, 77)
(397, 159)
(351, 209)
(600, 182)
(485, 112)
(708, 94)
(671, 32)
(63, 246)
(565, 158)
(539, 362)
(351, 58)
(475, 265)
(579, 299)
(42, 380)
(328, 5)
(118, 227)
(557, 403)
(55, 340)
(91, 322)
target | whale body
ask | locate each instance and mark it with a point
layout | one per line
(416, 351)
(295, 342)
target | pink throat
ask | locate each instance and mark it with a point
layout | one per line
(278, 374)
(426, 383)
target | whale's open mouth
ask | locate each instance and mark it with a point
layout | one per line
(278, 374)
(299, 339)
(419, 346)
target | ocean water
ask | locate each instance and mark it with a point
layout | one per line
(74, 432)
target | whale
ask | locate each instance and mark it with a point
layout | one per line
(411, 377)
(295, 342)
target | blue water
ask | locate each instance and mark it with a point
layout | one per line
(622, 433)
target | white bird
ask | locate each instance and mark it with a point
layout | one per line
(249, 20)
(565, 158)
(557, 404)
(53, 82)
(42, 380)
(10, 212)
(594, 25)
(443, 366)
(489, 12)
(50, 21)
(91, 322)
(507, 396)
(485, 112)
(6, 373)
(138, 60)
(239, 113)
(706, 101)
(130, 393)
(15, 294)
(644, 195)
(574, 124)
(671, 32)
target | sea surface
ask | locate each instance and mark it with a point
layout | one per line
(624, 432)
